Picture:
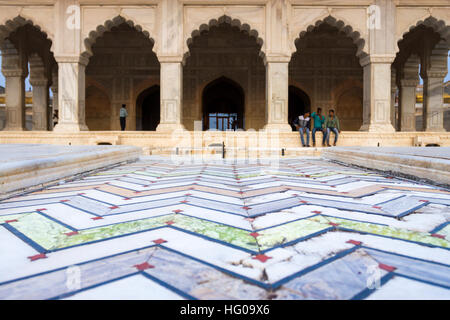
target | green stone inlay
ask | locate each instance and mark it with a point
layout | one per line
(269, 238)
(388, 231)
(235, 236)
(110, 231)
(40, 229)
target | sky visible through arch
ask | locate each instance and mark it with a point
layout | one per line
(28, 86)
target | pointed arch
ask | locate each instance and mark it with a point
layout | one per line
(439, 26)
(232, 22)
(342, 26)
(13, 24)
(223, 96)
(107, 26)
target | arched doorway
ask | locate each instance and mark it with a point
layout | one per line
(420, 64)
(122, 61)
(223, 105)
(326, 57)
(224, 50)
(148, 109)
(298, 104)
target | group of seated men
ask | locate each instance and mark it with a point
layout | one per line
(325, 124)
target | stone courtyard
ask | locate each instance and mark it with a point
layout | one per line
(303, 228)
(201, 188)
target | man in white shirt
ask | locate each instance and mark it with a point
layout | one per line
(123, 117)
(303, 123)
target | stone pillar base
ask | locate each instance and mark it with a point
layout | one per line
(435, 130)
(9, 128)
(170, 127)
(280, 127)
(377, 128)
(70, 127)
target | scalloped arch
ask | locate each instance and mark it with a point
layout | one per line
(438, 26)
(13, 24)
(355, 35)
(107, 26)
(232, 22)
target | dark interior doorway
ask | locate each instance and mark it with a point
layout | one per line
(223, 105)
(148, 109)
(298, 104)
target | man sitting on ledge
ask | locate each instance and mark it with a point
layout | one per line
(303, 123)
(332, 125)
(319, 120)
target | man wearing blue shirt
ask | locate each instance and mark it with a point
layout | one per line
(319, 120)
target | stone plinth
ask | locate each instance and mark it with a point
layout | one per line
(27, 165)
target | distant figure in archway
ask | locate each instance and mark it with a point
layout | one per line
(123, 117)
(223, 105)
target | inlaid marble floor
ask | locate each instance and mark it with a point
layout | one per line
(224, 229)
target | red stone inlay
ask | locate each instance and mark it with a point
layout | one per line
(71, 233)
(356, 243)
(386, 267)
(37, 257)
(262, 257)
(143, 266)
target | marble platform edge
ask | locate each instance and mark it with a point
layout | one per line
(15, 176)
(432, 169)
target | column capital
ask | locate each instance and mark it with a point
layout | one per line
(276, 59)
(377, 58)
(72, 59)
(39, 82)
(16, 72)
(170, 59)
(436, 74)
(409, 82)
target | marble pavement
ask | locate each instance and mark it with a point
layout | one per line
(227, 229)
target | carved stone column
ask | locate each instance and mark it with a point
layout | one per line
(377, 93)
(408, 85)
(14, 68)
(40, 85)
(54, 89)
(171, 94)
(71, 98)
(433, 89)
(393, 92)
(277, 94)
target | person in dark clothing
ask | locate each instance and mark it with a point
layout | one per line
(303, 123)
(123, 117)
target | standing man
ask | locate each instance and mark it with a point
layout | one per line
(123, 117)
(332, 125)
(303, 123)
(319, 121)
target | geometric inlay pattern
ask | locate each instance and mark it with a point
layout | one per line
(304, 229)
